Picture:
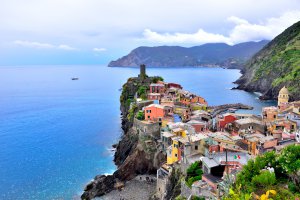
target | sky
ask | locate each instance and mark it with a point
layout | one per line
(47, 32)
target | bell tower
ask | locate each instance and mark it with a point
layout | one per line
(283, 96)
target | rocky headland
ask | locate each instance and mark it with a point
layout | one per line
(136, 155)
(131, 156)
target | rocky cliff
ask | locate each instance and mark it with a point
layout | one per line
(207, 54)
(275, 66)
(131, 156)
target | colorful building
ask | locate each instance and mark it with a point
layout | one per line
(223, 120)
(155, 112)
(157, 88)
(283, 98)
(269, 114)
(174, 85)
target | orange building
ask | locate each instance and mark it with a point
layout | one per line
(155, 112)
(198, 99)
(269, 114)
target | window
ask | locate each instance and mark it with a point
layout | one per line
(196, 147)
(274, 116)
(148, 117)
(175, 154)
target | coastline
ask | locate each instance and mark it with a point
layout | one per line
(135, 189)
(131, 156)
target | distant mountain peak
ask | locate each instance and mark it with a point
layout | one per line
(206, 54)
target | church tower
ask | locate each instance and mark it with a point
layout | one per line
(283, 96)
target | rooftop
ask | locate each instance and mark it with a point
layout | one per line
(154, 94)
(155, 105)
(167, 134)
(157, 84)
(248, 121)
(197, 137)
(196, 122)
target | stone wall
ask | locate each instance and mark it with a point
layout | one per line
(145, 128)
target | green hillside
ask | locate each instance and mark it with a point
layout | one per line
(275, 66)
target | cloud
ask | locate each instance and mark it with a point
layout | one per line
(39, 45)
(66, 47)
(33, 44)
(242, 31)
(99, 49)
(199, 37)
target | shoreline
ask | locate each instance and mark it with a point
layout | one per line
(135, 189)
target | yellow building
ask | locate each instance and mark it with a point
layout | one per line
(179, 132)
(283, 96)
(172, 152)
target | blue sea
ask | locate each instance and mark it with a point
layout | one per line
(56, 134)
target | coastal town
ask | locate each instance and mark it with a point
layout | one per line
(183, 127)
(176, 146)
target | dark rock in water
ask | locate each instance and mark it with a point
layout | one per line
(99, 186)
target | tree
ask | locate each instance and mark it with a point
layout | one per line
(264, 179)
(289, 159)
(142, 91)
(194, 173)
(140, 115)
(157, 78)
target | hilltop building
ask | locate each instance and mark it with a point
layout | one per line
(283, 97)
(142, 74)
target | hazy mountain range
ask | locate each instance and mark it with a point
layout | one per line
(204, 55)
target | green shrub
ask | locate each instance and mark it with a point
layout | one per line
(197, 198)
(194, 173)
(180, 198)
(264, 179)
(140, 115)
(157, 78)
(191, 180)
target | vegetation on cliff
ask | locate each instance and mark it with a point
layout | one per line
(193, 173)
(275, 66)
(255, 180)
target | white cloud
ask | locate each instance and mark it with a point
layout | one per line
(33, 44)
(99, 49)
(199, 37)
(242, 31)
(39, 45)
(270, 28)
(66, 47)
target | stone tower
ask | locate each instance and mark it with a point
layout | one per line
(283, 96)
(142, 71)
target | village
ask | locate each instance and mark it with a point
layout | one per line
(187, 132)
